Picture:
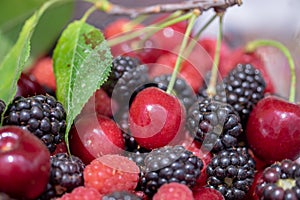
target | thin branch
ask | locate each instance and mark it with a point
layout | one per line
(171, 7)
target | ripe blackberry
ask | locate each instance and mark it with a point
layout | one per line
(169, 164)
(120, 65)
(182, 90)
(66, 173)
(214, 124)
(42, 115)
(280, 181)
(231, 172)
(2, 108)
(242, 88)
(121, 195)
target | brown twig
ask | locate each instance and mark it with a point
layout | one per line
(171, 7)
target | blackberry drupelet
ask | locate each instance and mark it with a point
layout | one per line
(214, 124)
(280, 181)
(243, 87)
(121, 195)
(169, 164)
(231, 172)
(182, 90)
(42, 115)
(2, 108)
(66, 173)
(120, 65)
(130, 81)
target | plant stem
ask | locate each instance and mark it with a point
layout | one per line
(136, 33)
(193, 18)
(253, 45)
(195, 39)
(88, 13)
(211, 89)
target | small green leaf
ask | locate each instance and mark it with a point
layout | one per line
(82, 63)
(6, 44)
(14, 62)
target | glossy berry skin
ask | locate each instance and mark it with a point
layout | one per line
(28, 86)
(273, 130)
(95, 135)
(25, 163)
(156, 118)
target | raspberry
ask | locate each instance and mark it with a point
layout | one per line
(169, 164)
(231, 172)
(42, 115)
(280, 181)
(120, 65)
(173, 191)
(121, 195)
(111, 173)
(214, 124)
(66, 174)
(82, 193)
(182, 90)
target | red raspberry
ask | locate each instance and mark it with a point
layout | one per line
(111, 173)
(173, 191)
(82, 193)
(207, 193)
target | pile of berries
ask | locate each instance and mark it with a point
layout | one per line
(134, 140)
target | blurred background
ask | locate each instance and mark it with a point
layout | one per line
(254, 19)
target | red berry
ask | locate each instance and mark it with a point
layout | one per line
(95, 135)
(25, 163)
(43, 72)
(173, 191)
(100, 103)
(156, 118)
(207, 193)
(273, 130)
(82, 193)
(111, 173)
(28, 86)
(119, 26)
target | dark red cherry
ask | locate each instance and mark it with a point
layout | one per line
(28, 86)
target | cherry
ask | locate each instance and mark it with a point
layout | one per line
(28, 86)
(119, 26)
(273, 130)
(156, 118)
(25, 163)
(94, 135)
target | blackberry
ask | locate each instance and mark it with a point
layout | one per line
(243, 87)
(128, 83)
(66, 173)
(2, 108)
(121, 195)
(120, 65)
(169, 164)
(231, 172)
(214, 124)
(280, 181)
(42, 115)
(182, 90)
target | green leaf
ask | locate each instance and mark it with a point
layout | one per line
(82, 62)
(5, 45)
(13, 63)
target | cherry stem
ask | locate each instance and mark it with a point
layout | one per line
(88, 13)
(195, 39)
(136, 33)
(188, 31)
(253, 45)
(211, 89)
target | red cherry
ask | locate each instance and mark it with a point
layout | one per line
(273, 130)
(28, 86)
(25, 163)
(119, 26)
(95, 135)
(156, 118)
